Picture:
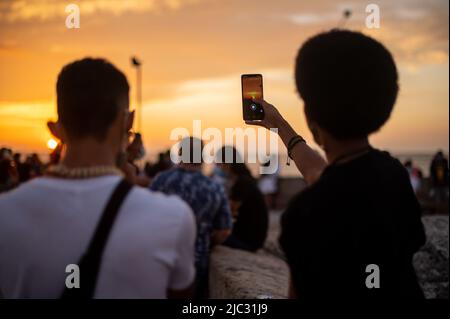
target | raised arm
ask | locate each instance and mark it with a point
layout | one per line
(308, 161)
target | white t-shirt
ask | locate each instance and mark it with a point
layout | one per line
(47, 223)
(268, 184)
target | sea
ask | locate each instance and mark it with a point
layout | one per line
(419, 160)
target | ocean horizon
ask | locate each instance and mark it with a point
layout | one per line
(420, 159)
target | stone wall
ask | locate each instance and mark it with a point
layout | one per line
(431, 261)
(240, 274)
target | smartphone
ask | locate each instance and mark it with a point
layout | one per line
(252, 87)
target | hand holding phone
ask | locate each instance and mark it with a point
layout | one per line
(272, 118)
(252, 88)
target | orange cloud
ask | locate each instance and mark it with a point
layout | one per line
(47, 9)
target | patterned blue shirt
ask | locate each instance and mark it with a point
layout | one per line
(206, 198)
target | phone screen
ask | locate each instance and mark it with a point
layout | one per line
(252, 87)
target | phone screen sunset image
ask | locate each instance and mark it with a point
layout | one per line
(252, 87)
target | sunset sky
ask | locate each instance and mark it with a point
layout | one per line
(193, 54)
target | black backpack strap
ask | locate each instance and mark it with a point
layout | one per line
(89, 263)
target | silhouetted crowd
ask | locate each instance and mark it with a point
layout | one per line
(435, 188)
(14, 170)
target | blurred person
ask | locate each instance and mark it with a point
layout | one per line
(6, 154)
(164, 163)
(207, 200)
(246, 201)
(36, 165)
(268, 184)
(17, 158)
(439, 177)
(167, 160)
(3, 152)
(5, 179)
(415, 175)
(23, 168)
(9, 175)
(83, 207)
(147, 168)
(135, 152)
(359, 208)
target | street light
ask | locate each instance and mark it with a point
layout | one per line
(135, 62)
(345, 16)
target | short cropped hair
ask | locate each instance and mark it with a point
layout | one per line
(348, 82)
(88, 95)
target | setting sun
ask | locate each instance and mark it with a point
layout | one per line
(51, 144)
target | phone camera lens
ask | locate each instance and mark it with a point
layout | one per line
(253, 107)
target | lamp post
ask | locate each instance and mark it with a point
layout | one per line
(135, 62)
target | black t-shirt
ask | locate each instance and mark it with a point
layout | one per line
(252, 221)
(358, 213)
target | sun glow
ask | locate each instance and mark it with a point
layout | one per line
(52, 144)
